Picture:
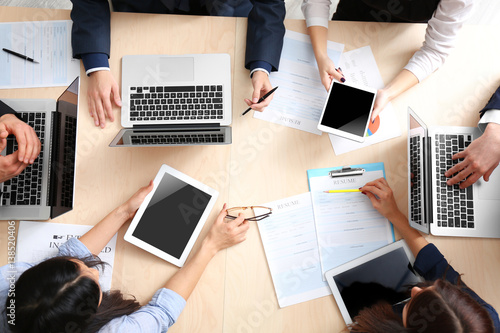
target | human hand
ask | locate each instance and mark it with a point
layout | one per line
(27, 141)
(224, 234)
(382, 198)
(380, 102)
(328, 72)
(261, 86)
(10, 166)
(479, 159)
(102, 90)
(130, 207)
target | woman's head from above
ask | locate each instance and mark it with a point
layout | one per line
(58, 292)
(62, 294)
(434, 307)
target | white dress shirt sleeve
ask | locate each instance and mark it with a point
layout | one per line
(440, 37)
(490, 116)
(316, 12)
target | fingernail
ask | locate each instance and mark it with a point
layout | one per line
(340, 69)
(255, 100)
(363, 193)
(360, 188)
(342, 79)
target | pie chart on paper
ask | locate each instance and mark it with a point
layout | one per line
(373, 127)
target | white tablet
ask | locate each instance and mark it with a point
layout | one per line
(383, 274)
(171, 217)
(347, 110)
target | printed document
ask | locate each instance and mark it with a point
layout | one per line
(49, 43)
(37, 241)
(347, 225)
(291, 248)
(359, 67)
(300, 98)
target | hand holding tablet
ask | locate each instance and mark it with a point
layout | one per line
(347, 110)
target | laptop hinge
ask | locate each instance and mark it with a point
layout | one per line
(428, 180)
(176, 126)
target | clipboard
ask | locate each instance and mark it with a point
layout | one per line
(347, 225)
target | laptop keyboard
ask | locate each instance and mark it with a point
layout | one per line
(173, 139)
(69, 165)
(416, 190)
(455, 206)
(176, 103)
(26, 188)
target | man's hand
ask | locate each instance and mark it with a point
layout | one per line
(102, 91)
(479, 159)
(10, 166)
(261, 85)
(27, 141)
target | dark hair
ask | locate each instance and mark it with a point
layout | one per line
(441, 307)
(53, 296)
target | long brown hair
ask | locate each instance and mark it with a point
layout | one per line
(441, 307)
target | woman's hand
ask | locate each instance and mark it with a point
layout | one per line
(130, 207)
(226, 233)
(328, 72)
(380, 194)
(380, 102)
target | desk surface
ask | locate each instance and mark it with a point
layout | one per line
(266, 162)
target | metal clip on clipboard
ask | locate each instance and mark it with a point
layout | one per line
(346, 171)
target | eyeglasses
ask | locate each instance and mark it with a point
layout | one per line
(252, 213)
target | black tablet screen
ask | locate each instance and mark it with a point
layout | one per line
(172, 215)
(348, 109)
(384, 278)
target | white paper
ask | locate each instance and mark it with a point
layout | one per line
(49, 43)
(299, 100)
(359, 67)
(37, 241)
(290, 244)
(347, 225)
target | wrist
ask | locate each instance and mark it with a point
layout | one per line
(208, 247)
(122, 213)
(492, 129)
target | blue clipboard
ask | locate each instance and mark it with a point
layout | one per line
(347, 171)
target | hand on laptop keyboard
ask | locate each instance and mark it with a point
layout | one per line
(28, 143)
(103, 91)
(480, 158)
(261, 85)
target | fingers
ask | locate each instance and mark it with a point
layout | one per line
(115, 90)
(487, 175)
(456, 168)
(261, 85)
(102, 92)
(470, 180)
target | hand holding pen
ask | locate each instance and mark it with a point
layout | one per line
(261, 85)
(260, 100)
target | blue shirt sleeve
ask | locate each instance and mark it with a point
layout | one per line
(74, 248)
(157, 316)
(431, 265)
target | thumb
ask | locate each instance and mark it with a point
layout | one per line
(487, 175)
(116, 94)
(256, 94)
(370, 196)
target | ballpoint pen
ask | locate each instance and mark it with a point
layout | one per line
(22, 56)
(261, 99)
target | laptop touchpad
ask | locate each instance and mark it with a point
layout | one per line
(176, 69)
(489, 190)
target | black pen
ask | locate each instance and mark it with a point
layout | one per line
(260, 100)
(20, 55)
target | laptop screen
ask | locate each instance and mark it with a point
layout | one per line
(62, 171)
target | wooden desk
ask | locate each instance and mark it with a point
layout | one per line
(266, 162)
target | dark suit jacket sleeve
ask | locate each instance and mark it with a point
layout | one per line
(265, 32)
(493, 103)
(91, 28)
(5, 109)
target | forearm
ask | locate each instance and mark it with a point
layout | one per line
(185, 280)
(402, 82)
(97, 237)
(319, 37)
(412, 237)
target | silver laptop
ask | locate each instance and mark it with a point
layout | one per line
(46, 188)
(433, 206)
(175, 100)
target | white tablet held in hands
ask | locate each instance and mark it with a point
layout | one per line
(171, 217)
(347, 110)
(384, 274)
